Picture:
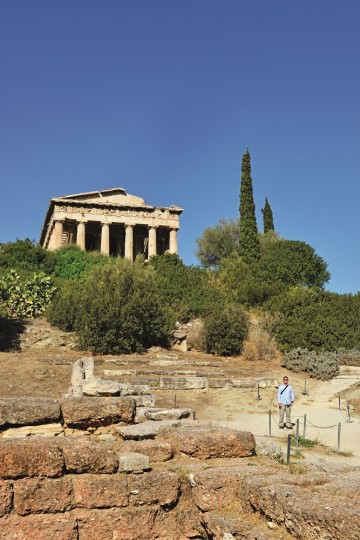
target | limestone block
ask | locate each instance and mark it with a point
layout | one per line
(133, 462)
(45, 430)
(117, 523)
(28, 410)
(42, 495)
(144, 401)
(219, 383)
(183, 383)
(243, 383)
(100, 387)
(155, 450)
(40, 457)
(100, 491)
(96, 411)
(205, 442)
(135, 389)
(146, 430)
(166, 414)
(5, 498)
(83, 455)
(154, 487)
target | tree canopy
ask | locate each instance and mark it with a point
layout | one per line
(249, 246)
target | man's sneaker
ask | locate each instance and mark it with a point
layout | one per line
(287, 427)
(281, 427)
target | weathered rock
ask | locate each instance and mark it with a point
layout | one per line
(100, 491)
(219, 383)
(205, 442)
(100, 387)
(42, 495)
(39, 527)
(117, 523)
(135, 389)
(243, 383)
(143, 401)
(133, 462)
(44, 430)
(28, 410)
(183, 383)
(230, 527)
(166, 414)
(155, 487)
(5, 498)
(91, 411)
(154, 449)
(88, 456)
(19, 458)
(146, 430)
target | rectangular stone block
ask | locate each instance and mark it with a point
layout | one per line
(28, 410)
(5, 498)
(45, 431)
(39, 527)
(133, 461)
(82, 455)
(183, 383)
(100, 491)
(42, 495)
(117, 523)
(97, 411)
(205, 442)
(144, 401)
(154, 487)
(154, 449)
(19, 458)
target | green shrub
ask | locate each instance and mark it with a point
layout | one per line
(225, 330)
(185, 291)
(349, 357)
(63, 310)
(298, 360)
(119, 309)
(23, 256)
(323, 365)
(25, 299)
(71, 262)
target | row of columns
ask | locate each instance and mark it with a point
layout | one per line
(105, 238)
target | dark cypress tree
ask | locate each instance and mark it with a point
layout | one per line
(249, 245)
(268, 219)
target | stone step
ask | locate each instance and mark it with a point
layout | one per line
(157, 413)
(146, 430)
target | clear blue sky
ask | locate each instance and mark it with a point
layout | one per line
(162, 97)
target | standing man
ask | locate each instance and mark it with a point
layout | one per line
(286, 398)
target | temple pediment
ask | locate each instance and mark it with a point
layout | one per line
(114, 196)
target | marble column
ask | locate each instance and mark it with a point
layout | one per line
(80, 234)
(152, 242)
(173, 247)
(105, 239)
(58, 233)
(129, 242)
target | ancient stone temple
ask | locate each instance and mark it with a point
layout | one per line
(113, 222)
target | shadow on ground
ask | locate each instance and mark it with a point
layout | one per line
(10, 334)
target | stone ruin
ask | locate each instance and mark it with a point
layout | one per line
(103, 462)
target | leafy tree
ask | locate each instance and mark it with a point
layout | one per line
(23, 256)
(71, 262)
(248, 239)
(268, 220)
(316, 320)
(291, 262)
(119, 309)
(226, 330)
(218, 242)
(184, 291)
